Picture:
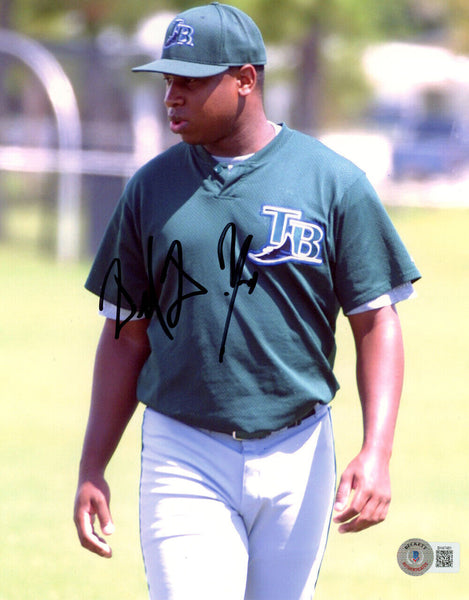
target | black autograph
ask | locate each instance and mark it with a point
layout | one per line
(236, 273)
(150, 302)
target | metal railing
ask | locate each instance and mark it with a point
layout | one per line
(62, 97)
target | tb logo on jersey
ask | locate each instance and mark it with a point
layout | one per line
(291, 239)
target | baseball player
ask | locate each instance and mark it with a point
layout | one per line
(221, 275)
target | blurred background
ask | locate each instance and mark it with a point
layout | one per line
(387, 84)
(384, 83)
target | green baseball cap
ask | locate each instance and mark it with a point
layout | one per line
(208, 40)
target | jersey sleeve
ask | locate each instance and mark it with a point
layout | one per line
(370, 258)
(118, 274)
(394, 296)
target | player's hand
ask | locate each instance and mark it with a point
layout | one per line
(91, 501)
(364, 493)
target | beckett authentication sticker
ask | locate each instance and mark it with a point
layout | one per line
(415, 556)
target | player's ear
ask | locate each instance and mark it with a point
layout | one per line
(247, 79)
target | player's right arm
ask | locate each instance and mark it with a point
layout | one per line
(113, 401)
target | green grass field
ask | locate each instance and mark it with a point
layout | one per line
(48, 332)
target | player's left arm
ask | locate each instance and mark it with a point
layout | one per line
(364, 491)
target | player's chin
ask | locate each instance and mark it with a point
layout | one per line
(191, 134)
(191, 137)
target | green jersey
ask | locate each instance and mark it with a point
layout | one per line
(243, 272)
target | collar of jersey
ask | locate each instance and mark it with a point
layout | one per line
(231, 161)
(244, 162)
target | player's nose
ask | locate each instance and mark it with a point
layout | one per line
(173, 96)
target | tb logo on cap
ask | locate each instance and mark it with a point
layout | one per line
(181, 35)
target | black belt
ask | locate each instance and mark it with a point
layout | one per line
(260, 435)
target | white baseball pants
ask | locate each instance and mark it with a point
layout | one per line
(222, 519)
